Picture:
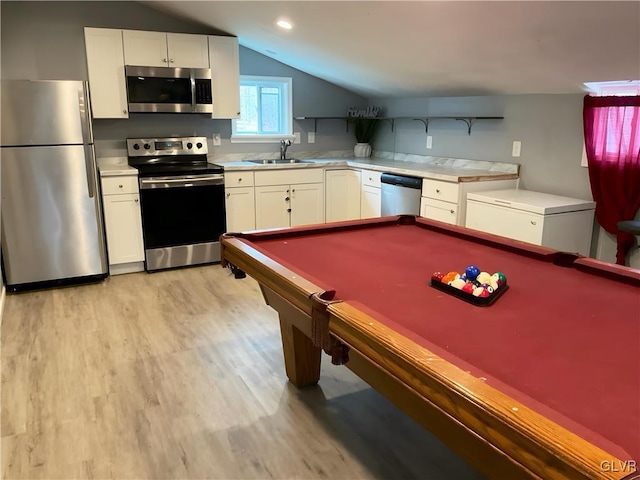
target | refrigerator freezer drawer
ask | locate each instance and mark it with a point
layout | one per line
(51, 216)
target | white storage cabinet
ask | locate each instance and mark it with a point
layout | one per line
(371, 196)
(446, 201)
(562, 223)
(342, 195)
(240, 201)
(105, 67)
(159, 49)
(225, 76)
(123, 223)
(286, 198)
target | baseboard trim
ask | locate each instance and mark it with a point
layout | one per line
(3, 294)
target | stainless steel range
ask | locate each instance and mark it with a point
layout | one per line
(182, 200)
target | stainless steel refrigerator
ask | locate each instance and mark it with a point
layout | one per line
(52, 229)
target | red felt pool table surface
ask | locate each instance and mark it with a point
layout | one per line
(563, 340)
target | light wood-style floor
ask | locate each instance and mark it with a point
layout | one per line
(177, 375)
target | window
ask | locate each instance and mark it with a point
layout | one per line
(616, 123)
(265, 110)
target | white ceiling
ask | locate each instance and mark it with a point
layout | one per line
(430, 48)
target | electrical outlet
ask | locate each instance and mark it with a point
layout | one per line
(311, 137)
(517, 147)
(297, 135)
(429, 141)
(216, 140)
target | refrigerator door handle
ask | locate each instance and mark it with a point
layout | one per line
(84, 109)
(90, 161)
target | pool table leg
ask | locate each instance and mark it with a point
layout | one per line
(301, 357)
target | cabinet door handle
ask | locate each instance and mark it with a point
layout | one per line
(136, 200)
(164, 60)
(293, 191)
(289, 210)
(240, 179)
(533, 223)
(124, 111)
(119, 186)
(171, 60)
(437, 190)
(452, 211)
(228, 195)
(286, 199)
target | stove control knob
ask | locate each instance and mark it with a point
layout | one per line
(189, 145)
(147, 146)
(198, 145)
(136, 146)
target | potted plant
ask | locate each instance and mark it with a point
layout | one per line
(364, 128)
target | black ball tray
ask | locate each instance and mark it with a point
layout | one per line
(468, 297)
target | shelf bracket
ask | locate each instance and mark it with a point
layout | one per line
(468, 121)
(393, 122)
(426, 123)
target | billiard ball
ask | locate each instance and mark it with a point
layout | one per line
(457, 283)
(471, 272)
(483, 277)
(477, 292)
(437, 276)
(499, 277)
(468, 288)
(449, 277)
(488, 288)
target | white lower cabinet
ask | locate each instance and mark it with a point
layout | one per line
(342, 193)
(240, 201)
(371, 195)
(123, 223)
(272, 206)
(287, 198)
(447, 201)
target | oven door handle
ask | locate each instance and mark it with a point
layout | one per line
(147, 183)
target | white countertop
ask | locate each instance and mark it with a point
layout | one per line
(535, 202)
(417, 169)
(114, 166)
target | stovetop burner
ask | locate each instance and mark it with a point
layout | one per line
(170, 156)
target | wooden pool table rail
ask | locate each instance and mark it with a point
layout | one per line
(471, 417)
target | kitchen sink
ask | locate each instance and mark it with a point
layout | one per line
(280, 161)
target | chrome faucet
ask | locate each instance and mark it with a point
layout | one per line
(284, 144)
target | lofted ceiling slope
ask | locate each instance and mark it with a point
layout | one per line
(437, 48)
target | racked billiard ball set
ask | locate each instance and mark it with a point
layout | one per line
(474, 286)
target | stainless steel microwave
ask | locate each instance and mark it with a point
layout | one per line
(169, 90)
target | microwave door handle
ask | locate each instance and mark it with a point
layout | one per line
(193, 90)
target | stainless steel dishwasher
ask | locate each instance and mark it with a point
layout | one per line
(400, 194)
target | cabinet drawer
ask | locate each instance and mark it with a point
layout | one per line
(515, 224)
(445, 191)
(238, 179)
(118, 185)
(437, 210)
(288, 177)
(371, 178)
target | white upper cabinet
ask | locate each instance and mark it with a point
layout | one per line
(159, 49)
(188, 50)
(225, 76)
(105, 67)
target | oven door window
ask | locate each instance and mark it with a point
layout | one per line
(182, 215)
(158, 90)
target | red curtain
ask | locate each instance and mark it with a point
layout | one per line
(612, 140)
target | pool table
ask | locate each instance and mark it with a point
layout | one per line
(542, 383)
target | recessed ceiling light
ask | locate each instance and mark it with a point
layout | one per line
(284, 24)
